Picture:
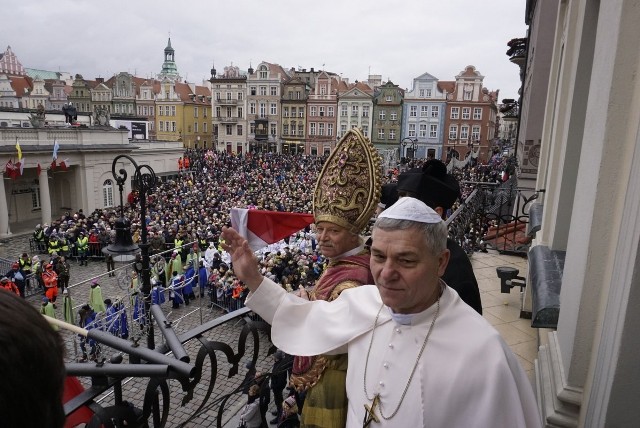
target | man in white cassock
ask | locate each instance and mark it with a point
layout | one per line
(418, 355)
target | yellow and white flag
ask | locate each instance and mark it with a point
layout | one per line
(19, 150)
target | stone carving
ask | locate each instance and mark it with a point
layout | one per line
(38, 119)
(101, 116)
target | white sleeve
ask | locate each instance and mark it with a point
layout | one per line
(302, 327)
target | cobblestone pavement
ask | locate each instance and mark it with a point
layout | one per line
(183, 319)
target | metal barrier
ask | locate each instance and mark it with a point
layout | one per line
(32, 287)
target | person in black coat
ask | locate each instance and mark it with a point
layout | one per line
(278, 382)
(439, 190)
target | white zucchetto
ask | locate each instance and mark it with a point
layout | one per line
(411, 209)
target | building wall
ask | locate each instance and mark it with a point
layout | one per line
(424, 108)
(322, 107)
(294, 115)
(359, 108)
(587, 371)
(270, 77)
(229, 107)
(88, 153)
(534, 96)
(387, 117)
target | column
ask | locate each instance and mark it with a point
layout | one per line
(45, 198)
(4, 209)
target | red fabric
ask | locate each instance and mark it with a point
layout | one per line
(53, 165)
(39, 169)
(11, 170)
(272, 226)
(352, 268)
(73, 388)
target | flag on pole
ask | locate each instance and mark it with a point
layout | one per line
(39, 169)
(21, 166)
(11, 170)
(53, 165)
(262, 228)
(56, 147)
(63, 164)
(19, 150)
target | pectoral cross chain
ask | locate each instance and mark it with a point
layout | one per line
(370, 412)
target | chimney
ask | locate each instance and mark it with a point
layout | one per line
(312, 69)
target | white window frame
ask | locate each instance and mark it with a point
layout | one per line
(464, 132)
(422, 131)
(455, 113)
(477, 113)
(435, 111)
(475, 133)
(453, 132)
(413, 111)
(412, 130)
(466, 113)
(107, 193)
(433, 130)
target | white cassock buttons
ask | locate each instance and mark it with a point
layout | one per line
(385, 365)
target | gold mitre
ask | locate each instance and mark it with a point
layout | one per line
(348, 188)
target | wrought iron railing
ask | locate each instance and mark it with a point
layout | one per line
(493, 216)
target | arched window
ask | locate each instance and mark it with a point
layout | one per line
(107, 193)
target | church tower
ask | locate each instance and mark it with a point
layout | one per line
(169, 67)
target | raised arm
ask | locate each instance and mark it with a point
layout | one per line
(245, 263)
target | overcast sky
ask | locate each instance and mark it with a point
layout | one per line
(398, 39)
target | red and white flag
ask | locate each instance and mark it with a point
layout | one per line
(262, 228)
(63, 164)
(11, 170)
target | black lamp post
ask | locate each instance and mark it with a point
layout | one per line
(144, 179)
(412, 143)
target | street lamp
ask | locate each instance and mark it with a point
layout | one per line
(144, 179)
(412, 143)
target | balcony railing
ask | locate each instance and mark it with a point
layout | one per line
(228, 119)
(225, 102)
(503, 213)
